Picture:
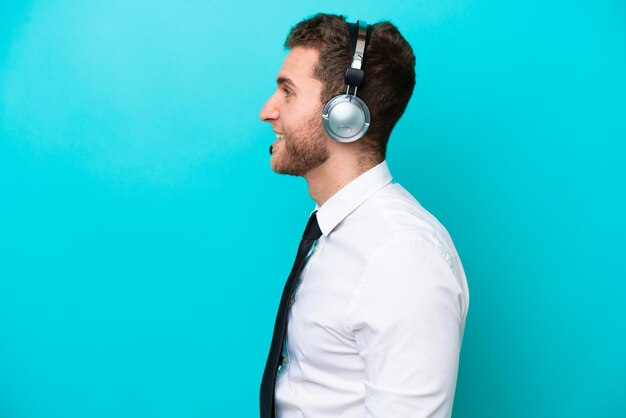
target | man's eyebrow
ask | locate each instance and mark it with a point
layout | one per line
(287, 81)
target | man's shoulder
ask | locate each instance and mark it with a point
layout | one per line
(394, 215)
(399, 225)
(397, 211)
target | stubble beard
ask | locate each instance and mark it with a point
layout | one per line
(303, 150)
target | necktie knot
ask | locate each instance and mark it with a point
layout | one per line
(312, 230)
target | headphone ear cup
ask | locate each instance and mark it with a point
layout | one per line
(345, 118)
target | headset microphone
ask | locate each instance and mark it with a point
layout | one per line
(346, 117)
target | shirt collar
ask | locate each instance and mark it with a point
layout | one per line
(351, 196)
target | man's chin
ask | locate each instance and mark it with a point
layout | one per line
(278, 168)
(275, 164)
(283, 170)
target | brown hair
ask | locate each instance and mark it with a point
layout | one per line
(389, 66)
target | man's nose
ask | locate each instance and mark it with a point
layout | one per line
(269, 111)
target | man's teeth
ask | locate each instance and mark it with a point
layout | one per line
(279, 136)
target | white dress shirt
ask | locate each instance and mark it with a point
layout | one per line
(377, 319)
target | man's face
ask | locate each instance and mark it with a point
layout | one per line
(295, 110)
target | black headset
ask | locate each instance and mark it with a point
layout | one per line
(346, 117)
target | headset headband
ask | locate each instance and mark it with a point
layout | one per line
(359, 35)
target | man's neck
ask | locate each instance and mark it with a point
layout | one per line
(327, 179)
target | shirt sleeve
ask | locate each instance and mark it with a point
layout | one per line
(407, 319)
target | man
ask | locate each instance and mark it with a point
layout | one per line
(376, 315)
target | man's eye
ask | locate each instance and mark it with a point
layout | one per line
(287, 93)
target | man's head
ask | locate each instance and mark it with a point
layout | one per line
(315, 68)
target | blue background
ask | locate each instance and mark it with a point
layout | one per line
(134, 180)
